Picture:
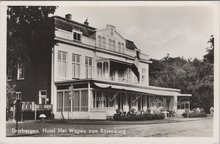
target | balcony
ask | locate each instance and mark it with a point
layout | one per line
(144, 56)
(114, 70)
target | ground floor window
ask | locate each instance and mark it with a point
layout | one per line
(77, 102)
(18, 95)
(183, 105)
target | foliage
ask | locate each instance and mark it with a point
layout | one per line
(190, 76)
(10, 93)
(30, 30)
(30, 34)
(140, 117)
(195, 114)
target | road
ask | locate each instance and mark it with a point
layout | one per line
(194, 128)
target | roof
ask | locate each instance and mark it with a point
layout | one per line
(68, 25)
(152, 90)
(130, 45)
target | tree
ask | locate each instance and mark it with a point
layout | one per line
(190, 76)
(29, 30)
(209, 57)
(10, 93)
(30, 34)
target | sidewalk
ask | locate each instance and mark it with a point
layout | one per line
(112, 122)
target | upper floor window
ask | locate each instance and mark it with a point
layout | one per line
(99, 41)
(77, 35)
(110, 44)
(106, 70)
(18, 95)
(88, 64)
(119, 47)
(62, 64)
(9, 73)
(103, 42)
(144, 75)
(128, 75)
(75, 66)
(103, 70)
(122, 47)
(113, 43)
(20, 71)
(99, 69)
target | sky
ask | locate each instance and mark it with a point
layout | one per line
(181, 31)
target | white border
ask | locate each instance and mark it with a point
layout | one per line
(117, 140)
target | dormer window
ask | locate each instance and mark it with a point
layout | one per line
(77, 35)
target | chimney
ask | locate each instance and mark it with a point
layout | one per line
(68, 16)
(86, 22)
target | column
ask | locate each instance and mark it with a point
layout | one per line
(125, 101)
(89, 95)
(145, 102)
(175, 103)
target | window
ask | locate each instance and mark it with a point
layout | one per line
(63, 101)
(66, 101)
(76, 101)
(106, 70)
(59, 101)
(88, 64)
(99, 100)
(128, 75)
(110, 44)
(84, 100)
(113, 43)
(42, 97)
(9, 73)
(119, 47)
(75, 66)
(20, 71)
(18, 95)
(79, 100)
(122, 47)
(99, 69)
(62, 64)
(103, 42)
(76, 36)
(99, 41)
(103, 70)
(144, 75)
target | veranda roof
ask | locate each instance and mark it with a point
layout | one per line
(160, 91)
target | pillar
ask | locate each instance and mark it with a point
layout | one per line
(175, 103)
(89, 96)
(145, 102)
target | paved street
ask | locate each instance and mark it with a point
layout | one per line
(200, 127)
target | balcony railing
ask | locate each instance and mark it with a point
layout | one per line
(144, 56)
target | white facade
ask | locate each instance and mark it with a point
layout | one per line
(91, 78)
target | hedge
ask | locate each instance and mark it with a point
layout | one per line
(141, 117)
(195, 114)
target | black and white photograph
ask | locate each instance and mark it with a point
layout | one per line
(142, 70)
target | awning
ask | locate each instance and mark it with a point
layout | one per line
(185, 95)
(146, 90)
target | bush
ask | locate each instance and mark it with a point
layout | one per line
(195, 114)
(140, 117)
